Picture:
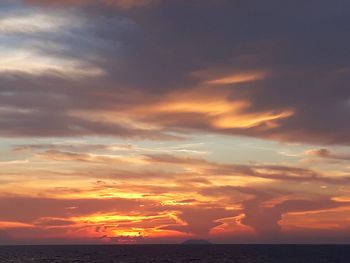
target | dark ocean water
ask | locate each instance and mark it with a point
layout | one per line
(176, 253)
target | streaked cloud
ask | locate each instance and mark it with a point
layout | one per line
(27, 61)
(32, 22)
(238, 78)
(124, 4)
(327, 154)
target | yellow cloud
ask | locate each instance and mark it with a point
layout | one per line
(238, 78)
(216, 107)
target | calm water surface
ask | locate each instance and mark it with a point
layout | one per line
(176, 253)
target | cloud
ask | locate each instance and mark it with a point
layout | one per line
(30, 32)
(31, 23)
(265, 220)
(273, 172)
(29, 62)
(178, 109)
(123, 4)
(169, 70)
(53, 222)
(88, 158)
(200, 221)
(264, 209)
(75, 146)
(269, 83)
(237, 78)
(194, 203)
(113, 217)
(29, 209)
(84, 146)
(319, 152)
(327, 154)
(35, 123)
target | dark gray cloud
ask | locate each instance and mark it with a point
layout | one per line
(200, 221)
(149, 51)
(265, 218)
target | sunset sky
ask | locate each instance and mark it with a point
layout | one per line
(157, 121)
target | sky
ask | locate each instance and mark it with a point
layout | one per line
(156, 121)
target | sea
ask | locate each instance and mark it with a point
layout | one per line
(176, 253)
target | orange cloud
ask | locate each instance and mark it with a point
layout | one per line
(238, 78)
(213, 107)
(327, 154)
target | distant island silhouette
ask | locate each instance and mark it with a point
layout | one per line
(196, 242)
